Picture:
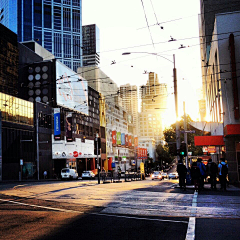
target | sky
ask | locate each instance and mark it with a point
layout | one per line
(144, 28)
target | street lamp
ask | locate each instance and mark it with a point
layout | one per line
(175, 94)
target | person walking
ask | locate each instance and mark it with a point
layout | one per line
(202, 171)
(182, 171)
(195, 175)
(223, 172)
(45, 174)
(213, 170)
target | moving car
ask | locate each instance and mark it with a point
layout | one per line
(156, 175)
(164, 175)
(68, 173)
(173, 175)
(88, 174)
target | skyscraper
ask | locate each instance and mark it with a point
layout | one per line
(129, 95)
(54, 24)
(91, 46)
(154, 101)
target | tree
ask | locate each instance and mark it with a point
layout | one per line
(163, 154)
(170, 135)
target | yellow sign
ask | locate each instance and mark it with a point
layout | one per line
(142, 167)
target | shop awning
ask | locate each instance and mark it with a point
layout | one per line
(209, 140)
(232, 129)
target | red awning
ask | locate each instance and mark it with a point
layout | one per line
(209, 141)
(232, 129)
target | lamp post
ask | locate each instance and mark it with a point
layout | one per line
(175, 95)
(98, 167)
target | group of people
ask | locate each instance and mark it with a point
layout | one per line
(199, 172)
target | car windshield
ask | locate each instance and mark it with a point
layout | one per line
(65, 170)
(156, 173)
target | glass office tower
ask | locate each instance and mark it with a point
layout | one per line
(54, 24)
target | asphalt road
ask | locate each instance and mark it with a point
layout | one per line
(128, 210)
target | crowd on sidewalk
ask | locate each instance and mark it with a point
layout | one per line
(199, 172)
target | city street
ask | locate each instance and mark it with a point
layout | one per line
(127, 210)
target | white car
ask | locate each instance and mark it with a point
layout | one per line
(68, 173)
(156, 175)
(88, 174)
(173, 175)
(164, 175)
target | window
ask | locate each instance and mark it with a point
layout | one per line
(57, 18)
(47, 16)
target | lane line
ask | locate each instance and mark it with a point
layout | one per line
(98, 214)
(139, 218)
(192, 220)
(38, 206)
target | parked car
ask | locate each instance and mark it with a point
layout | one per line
(68, 173)
(156, 175)
(88, 174)
(164, 175)
(173, 175)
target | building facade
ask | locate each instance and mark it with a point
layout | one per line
(222, 90)
(54, 24)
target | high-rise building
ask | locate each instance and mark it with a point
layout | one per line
(54, 24)
(91, 45)
(154, 101)
(129, 96)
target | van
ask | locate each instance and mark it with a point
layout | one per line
(68, 173)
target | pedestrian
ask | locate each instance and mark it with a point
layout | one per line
(182, 171)
(195, 175)
(223, 172)
(45, 174)
(213, 170)
(202, 171)
(119, 172)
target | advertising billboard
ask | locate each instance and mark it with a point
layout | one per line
(126, 140)
(57, 128)
(71, 89)
(114, 138)
(123, 139)
(119, 139)
(69, 127)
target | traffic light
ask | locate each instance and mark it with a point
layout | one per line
(97, 145)
(183, 149)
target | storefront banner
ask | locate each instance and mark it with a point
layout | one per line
(69, 127)
(129, 140)
(123, 139)
(118, 138)
(57, 128)
(126, 140)
(114, 138)
(136, 142)
(211, 149)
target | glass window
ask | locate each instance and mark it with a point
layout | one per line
(76, 16)
(48, 41)
(66, 19)
(57, 18)
(47, 16)
(67, 45)
(58, 44)
(38, 13)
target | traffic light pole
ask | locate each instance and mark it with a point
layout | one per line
(176, 109)
(185, 134)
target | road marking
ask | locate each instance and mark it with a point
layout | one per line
(99, 214)
(139, 218)
(38, 206)
(192, 220)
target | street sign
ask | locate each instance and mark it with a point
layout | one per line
(188, 131)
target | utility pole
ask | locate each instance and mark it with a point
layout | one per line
(176, 109)
(185, 133)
